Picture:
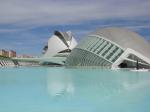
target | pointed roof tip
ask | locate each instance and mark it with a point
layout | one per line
(63, 36)
(69, 33)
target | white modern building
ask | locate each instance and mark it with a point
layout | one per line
(111, 47)
(59, 47)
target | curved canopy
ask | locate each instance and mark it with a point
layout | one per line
(126, 39)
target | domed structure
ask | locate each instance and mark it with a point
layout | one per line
(58, 48)
(60, 42)
(111, 47)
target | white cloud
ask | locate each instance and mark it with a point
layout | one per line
(8, 30)
(43, 12)
(23, 15)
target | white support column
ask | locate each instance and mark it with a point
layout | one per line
(126, 53)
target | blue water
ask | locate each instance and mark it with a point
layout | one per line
(73, 90)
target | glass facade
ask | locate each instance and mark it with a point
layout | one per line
(94, 51)
(113, 47)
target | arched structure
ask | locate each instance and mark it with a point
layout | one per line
(59, 43)
(58, 48)
(111, 47)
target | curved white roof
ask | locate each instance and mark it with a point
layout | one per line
(57, 44)
(126, 39)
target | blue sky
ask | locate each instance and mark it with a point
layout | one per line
(26, 25)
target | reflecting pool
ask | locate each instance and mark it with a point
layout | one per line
(58, 89)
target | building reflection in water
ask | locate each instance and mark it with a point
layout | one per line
(59, 83)
(95, 84)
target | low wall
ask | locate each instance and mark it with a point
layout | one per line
(28, 63)
(4, 62)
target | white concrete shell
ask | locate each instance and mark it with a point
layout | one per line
(56, 44)
(126, 39)
(111, 47)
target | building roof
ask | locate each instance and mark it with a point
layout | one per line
(125, 39)
(59, 42)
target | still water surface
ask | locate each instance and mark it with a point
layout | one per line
(73, 90)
